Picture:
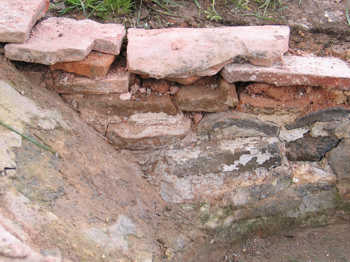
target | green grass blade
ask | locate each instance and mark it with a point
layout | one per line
(32, 140)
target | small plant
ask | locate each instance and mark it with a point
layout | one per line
(118, 6)
(98, 7)
(273, 4)
(262, 5)
(212, 14)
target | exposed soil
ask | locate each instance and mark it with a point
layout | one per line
(322, 244)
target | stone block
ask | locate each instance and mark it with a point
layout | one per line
(113, 105)
(116, 81)
(18, 17)
(294, 70)
(229, 125)
(325, 115)
(183, 53)
(148, 131)
(59, 39)
(310, 148)
(200, 98)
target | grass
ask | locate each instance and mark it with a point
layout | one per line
(98, 7)
(211, 13)
(30, 139)
(264, 5)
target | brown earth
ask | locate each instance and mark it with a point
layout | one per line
(320, 244)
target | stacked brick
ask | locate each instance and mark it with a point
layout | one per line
(169, 71)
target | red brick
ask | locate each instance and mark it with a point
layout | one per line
(268, 98)
(94, 65)
(294, 70)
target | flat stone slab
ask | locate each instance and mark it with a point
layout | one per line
(117, 81)
(94, 65)
(18, 17)
(148, 130)
(294, 70)
(65, 40)
(231, 125)
(113, 104)
(190, 52)
(326, 115)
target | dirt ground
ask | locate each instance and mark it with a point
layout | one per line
(323, 244)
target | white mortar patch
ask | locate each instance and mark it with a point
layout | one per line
(247, 144)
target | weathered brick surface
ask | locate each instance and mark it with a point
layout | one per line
(267, 98)
(113, 105)
(148, 130)
(192, 52)
(294, 70)
(65, 40)
(204, 99)
(18, 17)
(96, 64)
(117, 81)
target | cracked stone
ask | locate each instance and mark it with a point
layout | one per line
(294, 70)
(184, 53)
(230, 125)
(59, 39)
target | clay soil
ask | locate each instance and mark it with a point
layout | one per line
(318, 27)
(321, 244)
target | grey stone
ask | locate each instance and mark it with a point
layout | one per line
(343, 130)
(314, 202)
(230, 156)
(208, 169)
(324, 128)
(331, 114)
(310, 148)
(229, 125)
(292, 135)
(339, 160)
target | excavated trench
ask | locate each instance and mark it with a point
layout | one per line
(228, 160)
(194, 164)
